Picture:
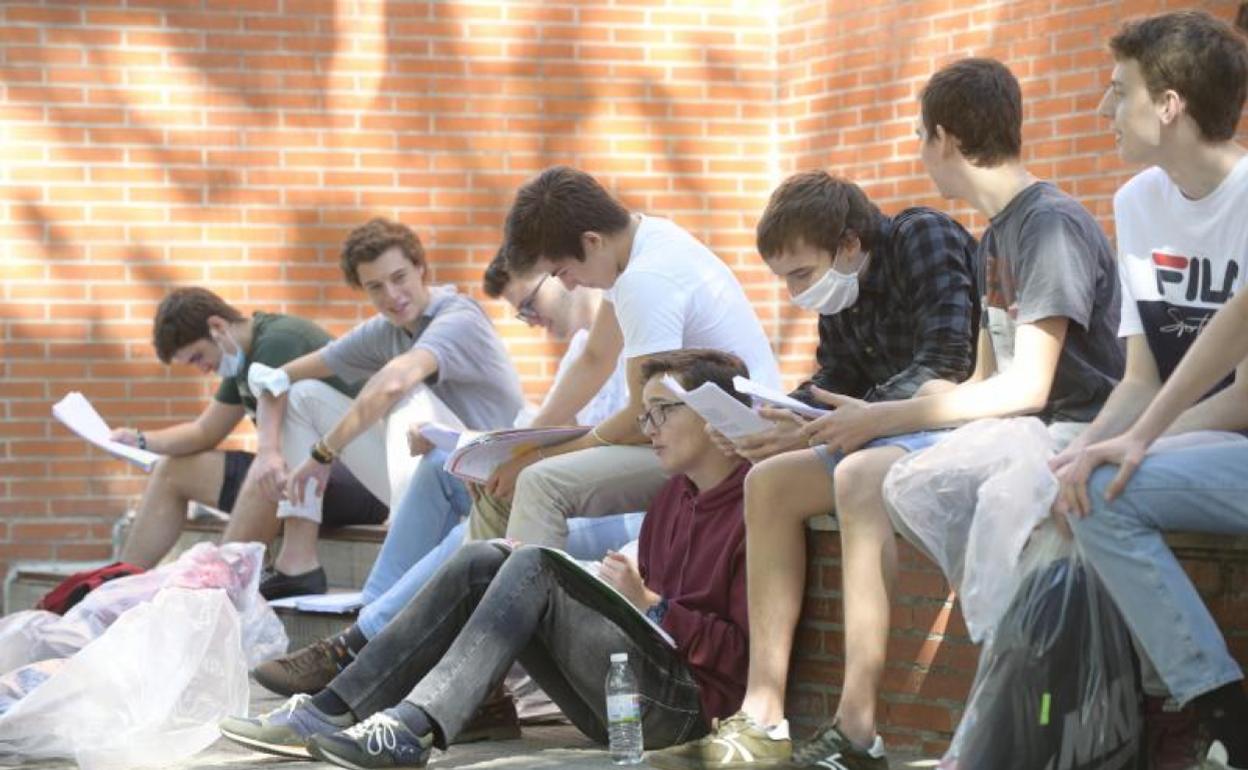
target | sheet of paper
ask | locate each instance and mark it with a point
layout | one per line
(76, 413)
(773, 397)
(444, 438)
(622, 600)
(332, 604)
(725, 413)
(477, 459)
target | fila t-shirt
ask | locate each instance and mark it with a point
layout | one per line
(1179, 260)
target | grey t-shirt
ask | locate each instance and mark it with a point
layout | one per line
(1044, 256)
(475, 377)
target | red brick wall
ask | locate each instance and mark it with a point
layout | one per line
(232, 143)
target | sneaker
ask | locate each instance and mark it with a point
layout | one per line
(309, 670)
(831, 750)
(279, 585)
(1216, 759)
(379, 741)
(495, 720)
(1172, 735)
(736, 742)
(285, 730)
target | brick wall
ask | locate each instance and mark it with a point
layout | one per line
(232, 143)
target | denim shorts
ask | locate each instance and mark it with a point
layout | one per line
(911, 442)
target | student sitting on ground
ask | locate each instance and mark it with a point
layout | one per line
(839, 257)
(489, 607)
(664, 291)
(429, 354)
(1175, 99)
(436, 500)
(195, 327)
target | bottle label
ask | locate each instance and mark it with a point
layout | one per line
(625, 707)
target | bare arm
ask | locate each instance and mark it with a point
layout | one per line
(203, 433)
(587, 374)
(1140, 383)
(271, 410)
(1022, 389)
(382, 391)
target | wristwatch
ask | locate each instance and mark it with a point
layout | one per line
(321, 453)
(657, 610)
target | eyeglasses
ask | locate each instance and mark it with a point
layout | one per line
(656, 415)
(526, 310)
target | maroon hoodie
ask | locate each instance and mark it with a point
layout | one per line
(692, 552)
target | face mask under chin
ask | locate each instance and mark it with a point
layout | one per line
(231, 363)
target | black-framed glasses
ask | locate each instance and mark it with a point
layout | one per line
(527, 311)
(656, 415)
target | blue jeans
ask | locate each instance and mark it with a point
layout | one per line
(1194, 489)
(911, 442)
(424, 535)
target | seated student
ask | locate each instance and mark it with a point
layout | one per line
(1046, 346)
(665, 291)
(194, 326)
(839, 257)
(423, 532)
(1175, 99)
(489, 607)
(429, 354)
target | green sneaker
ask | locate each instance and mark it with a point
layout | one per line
(737, 743)
(285, 730)
(831, 750)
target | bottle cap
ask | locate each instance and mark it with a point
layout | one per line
(619, 657)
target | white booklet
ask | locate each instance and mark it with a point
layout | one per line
(345, 603)
(476, 455)
(773, 397)
(617, 607)
(76, 413)
(725, 413)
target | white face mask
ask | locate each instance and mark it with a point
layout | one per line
(831, 294)
(231, 363)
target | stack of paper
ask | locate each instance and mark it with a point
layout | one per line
(77, 414)
(773, 397)
(476, 456)
(725, 413)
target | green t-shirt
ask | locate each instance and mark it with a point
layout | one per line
(276, 340)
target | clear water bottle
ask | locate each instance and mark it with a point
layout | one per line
(623, 712)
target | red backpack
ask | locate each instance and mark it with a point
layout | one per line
(72, 589)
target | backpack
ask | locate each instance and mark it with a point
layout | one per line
(74, 588)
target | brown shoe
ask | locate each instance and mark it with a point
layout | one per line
(495, 720)
(308, 670)
(1173, 735)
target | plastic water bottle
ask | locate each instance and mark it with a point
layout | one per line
(623, 712)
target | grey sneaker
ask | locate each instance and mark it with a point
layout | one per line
(381, 741)
(830, 748)
(285, 730)
(736, 743)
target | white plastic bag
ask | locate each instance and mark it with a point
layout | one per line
(28, 637)
(972, 502)
(148, 692)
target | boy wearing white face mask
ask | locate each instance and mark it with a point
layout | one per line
(194, 326)
(897, 309)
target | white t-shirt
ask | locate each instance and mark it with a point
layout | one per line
(1179, 260)
(611, 398)
(675, 293)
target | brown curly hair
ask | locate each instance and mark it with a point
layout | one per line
(374, 238)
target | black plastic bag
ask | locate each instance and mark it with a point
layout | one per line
(1058, 683)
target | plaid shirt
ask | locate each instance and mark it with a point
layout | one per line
(916, 316)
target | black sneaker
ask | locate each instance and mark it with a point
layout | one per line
(831, 749)
(279, 585)
(379, 741)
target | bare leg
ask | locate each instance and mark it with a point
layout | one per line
(868, 574)
(298, 552)
(254, 518)
(781, 493)
(175, 481)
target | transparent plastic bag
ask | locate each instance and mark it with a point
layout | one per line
(148, 692)
(972, 502)
(235, 567)
(1057, 686)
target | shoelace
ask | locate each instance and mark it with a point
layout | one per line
(294, 702)
(309, 661)
(377, 732)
